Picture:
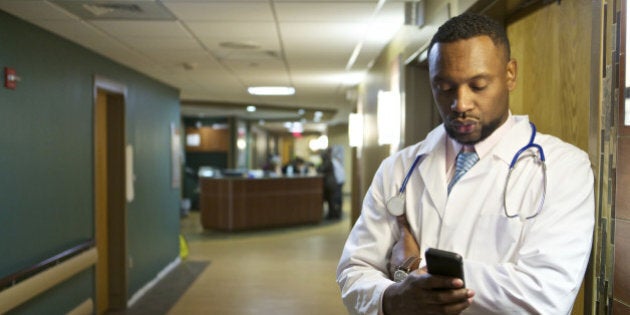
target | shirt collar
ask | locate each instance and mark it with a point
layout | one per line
(482, 148)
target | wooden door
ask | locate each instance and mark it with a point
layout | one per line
(109, 198)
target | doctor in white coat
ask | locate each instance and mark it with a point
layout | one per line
(523, 259)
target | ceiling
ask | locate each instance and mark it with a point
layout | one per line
(212, 50)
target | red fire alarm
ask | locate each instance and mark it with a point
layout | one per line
(10, 78)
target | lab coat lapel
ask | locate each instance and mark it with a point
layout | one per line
(433, 169)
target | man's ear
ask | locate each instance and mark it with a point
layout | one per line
(512, 70)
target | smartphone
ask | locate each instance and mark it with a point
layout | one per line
(445, 263)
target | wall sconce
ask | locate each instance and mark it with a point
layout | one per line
(355, 130)
(388, 117)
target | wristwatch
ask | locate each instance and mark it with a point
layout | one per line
(403, 270)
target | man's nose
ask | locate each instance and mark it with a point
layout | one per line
(463, 100)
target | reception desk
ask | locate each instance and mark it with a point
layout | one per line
(232, 204)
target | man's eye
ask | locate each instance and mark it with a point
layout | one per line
(478, 87)
(445, 87)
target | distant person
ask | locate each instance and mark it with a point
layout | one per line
(327, 169)
(340, 176)
(272, 165)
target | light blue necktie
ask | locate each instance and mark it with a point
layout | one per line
(464, 161)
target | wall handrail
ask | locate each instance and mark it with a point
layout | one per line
(65, 265)
(28, 272)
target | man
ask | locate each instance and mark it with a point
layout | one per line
(528, 258)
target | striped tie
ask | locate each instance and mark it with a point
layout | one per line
(465, 160)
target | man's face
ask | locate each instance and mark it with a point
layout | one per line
(471, 80)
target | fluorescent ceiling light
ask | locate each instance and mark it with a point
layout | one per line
(271, 90)
(251, 108)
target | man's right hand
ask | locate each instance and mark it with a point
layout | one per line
(423, 293)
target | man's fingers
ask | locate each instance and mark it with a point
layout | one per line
(439, 282)
(454, 308)
(447, 296)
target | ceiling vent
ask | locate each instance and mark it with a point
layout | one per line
(117, 10)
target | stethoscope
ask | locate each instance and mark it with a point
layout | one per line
(396, 204)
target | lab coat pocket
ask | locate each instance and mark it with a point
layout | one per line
(495, 238)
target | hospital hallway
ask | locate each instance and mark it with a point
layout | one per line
(281, 271)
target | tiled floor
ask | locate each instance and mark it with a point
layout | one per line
(287, 271)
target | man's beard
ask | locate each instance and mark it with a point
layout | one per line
(486, 131)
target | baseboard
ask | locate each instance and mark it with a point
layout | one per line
(140, 293)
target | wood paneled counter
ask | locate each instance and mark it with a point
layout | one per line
(232, 204)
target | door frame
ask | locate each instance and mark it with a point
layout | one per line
(110, 219)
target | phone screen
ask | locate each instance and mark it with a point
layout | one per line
(444, 263)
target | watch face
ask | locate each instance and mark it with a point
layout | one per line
(400, 275)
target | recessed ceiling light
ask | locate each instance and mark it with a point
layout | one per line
(271, 90)
(251, 108)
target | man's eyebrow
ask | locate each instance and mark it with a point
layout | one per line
(481, 76)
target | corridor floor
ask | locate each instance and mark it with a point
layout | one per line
(285, 271)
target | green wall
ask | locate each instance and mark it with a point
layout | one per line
(46, 161)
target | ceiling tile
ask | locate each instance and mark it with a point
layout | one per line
(252, 30)
(142, 28)
(156, 43)
(36, 10)
(271, 79)
(249, 56)
(316, 58)
(331, 12)
(244, 66)
(169, 57)
(222, 11)
(317, 33)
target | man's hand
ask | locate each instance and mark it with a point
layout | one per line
(422, 293)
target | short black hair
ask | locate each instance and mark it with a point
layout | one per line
(470, 25)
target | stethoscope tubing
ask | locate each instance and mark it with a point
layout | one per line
(409, 173)
(530, 144)
(517, 157)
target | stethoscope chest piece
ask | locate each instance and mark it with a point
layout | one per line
(396, 205)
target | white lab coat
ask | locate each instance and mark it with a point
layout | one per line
(515, 267)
